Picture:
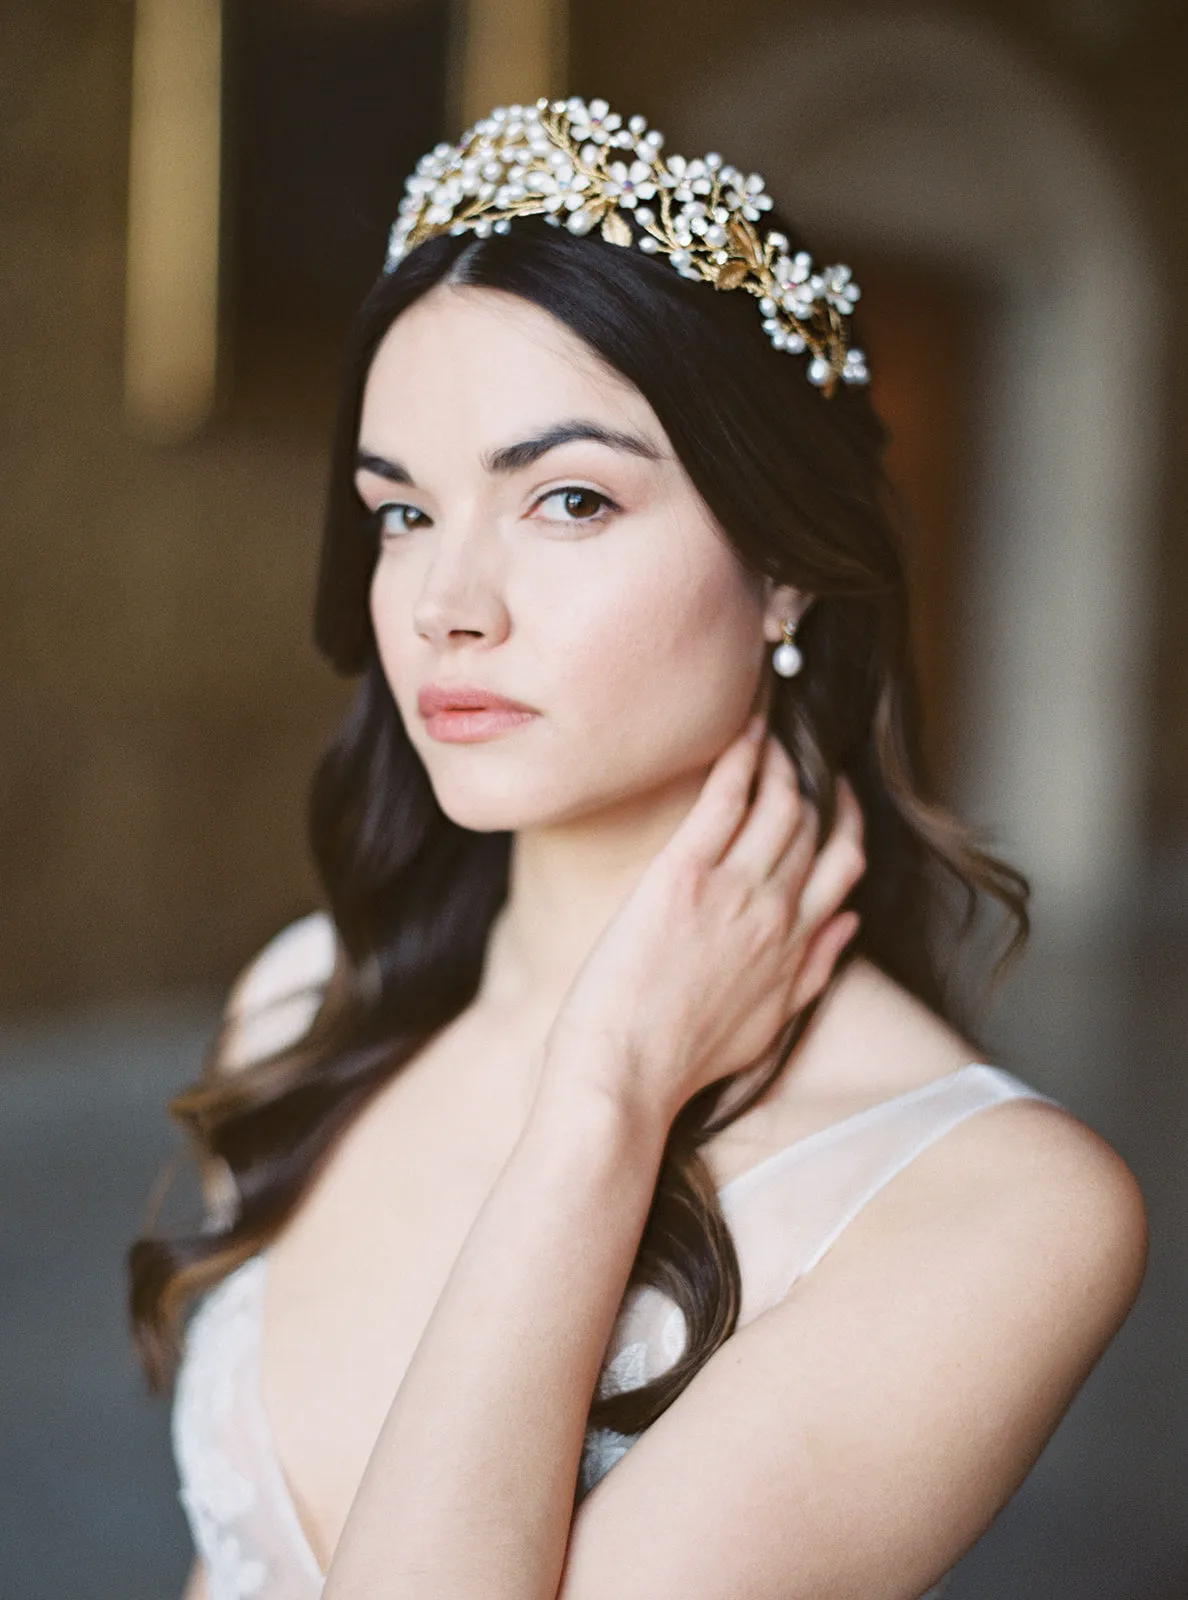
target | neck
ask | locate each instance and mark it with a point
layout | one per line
(567, 882)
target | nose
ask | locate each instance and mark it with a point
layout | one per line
(461, 594)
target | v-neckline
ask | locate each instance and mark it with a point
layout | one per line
(264, 1425)
(807, 1142)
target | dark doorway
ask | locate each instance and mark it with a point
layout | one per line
(920, 329)
(329, 105)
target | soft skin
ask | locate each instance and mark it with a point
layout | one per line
(625, 618)
(662, 913)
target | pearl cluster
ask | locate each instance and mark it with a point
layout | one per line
(579, 166)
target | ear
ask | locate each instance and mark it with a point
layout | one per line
(782, 604)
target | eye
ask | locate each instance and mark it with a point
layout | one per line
(579, 504)
(392, 517)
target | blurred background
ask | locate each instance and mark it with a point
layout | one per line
(194, 195)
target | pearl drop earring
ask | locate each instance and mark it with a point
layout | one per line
(787, 659)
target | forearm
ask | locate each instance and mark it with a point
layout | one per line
(468, 1493)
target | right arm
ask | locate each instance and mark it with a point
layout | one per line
(195, 1583)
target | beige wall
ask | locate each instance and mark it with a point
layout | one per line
(1124, 68)
(160, 702)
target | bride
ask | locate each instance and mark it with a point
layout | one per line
(603, 1197)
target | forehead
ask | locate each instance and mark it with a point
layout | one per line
(484, 361)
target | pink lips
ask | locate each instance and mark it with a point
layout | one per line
(465, 715)
(436, 697)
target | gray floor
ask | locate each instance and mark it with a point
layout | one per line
(88, 1505)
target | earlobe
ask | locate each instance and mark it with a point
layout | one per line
(784, 604)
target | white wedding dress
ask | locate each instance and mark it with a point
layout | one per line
(784, 1214)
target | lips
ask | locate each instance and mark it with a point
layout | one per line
(435, 698)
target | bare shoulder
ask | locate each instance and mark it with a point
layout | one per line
(928, 1356)
(1043, 1186)
(1022, 1210)
(1024, 1180)
(273, 1000)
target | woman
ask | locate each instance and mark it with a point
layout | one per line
(616, 1115)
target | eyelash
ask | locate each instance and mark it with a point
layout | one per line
(609, 508)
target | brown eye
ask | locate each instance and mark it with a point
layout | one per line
(581, 502)
(392, 518)
(577, 504)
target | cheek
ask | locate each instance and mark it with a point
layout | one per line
(389, 603)
(666, 653)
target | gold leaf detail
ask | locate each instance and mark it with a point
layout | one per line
(731, 274)
(615, 229)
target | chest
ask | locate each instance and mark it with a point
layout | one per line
(354, 1276)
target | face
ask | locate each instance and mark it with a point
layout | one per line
(539, 541)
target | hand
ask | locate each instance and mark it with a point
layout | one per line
(732, 929)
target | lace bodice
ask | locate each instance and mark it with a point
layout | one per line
(784, 1214)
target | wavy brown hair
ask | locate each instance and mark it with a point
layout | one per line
(796, 481)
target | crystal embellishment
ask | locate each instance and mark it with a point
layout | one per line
(580, 166)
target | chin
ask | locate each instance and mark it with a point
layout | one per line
(486, 800)
(513, 801)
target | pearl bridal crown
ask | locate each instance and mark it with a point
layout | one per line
(579, 165)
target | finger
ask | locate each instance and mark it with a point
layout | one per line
(768, 828)
(821, 956)
(716, 813)
(839, 864)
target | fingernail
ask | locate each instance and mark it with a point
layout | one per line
(756, 727)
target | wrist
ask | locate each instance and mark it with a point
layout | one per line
(598, 1093)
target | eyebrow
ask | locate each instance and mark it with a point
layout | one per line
(514, 457)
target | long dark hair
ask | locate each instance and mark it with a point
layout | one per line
(796, 481)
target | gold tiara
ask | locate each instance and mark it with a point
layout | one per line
(580, 165)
